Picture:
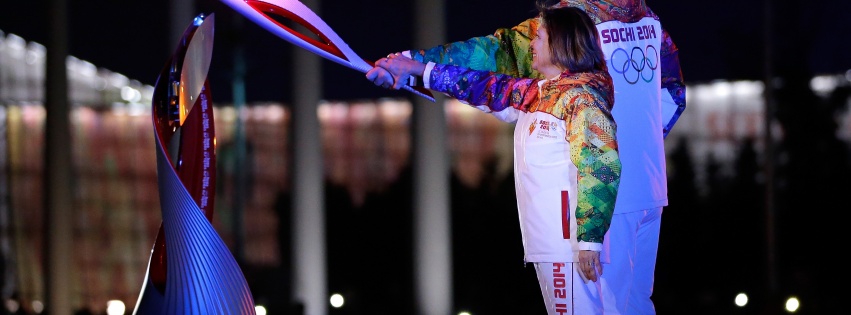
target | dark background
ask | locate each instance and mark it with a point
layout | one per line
(712, 245)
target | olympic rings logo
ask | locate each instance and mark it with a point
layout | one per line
(636, 64)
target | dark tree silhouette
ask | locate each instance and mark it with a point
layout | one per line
(812, 169)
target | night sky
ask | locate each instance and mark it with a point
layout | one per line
(717, 40)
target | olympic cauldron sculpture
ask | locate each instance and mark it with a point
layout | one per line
(191, 270)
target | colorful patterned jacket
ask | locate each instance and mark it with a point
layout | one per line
(567, 168)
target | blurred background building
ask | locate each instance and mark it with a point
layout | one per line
(741, 220)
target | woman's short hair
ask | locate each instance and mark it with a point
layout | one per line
(574, 43)
(546, 3)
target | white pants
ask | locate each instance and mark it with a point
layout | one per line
(565, 292)
(631, 245)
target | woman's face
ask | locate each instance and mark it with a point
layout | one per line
(541, 60)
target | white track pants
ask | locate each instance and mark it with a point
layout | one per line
(565, 292)
(631, 246)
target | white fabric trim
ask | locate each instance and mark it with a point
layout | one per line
(427, 74)
(597, 247)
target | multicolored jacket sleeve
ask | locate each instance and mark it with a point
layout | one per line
(584, 101)
(506, 51)
(497, 91)
(672, 79)
(594, 151)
